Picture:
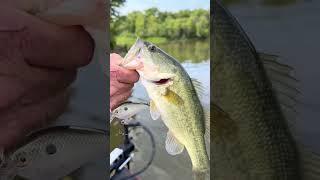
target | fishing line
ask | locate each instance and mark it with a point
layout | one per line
(153, 144)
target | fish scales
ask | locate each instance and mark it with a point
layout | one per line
(262, 146)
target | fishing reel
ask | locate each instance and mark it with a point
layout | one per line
(121, 157)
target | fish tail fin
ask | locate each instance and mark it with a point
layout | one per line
(200, 175)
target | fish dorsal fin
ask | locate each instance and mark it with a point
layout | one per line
(173, 145)
(310, 164)
(198, 87)
(154, 112)
(283, 83)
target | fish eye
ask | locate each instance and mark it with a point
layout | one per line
(51, 149)
(152, 48)
(125, 108)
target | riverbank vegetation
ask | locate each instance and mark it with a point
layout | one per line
(159, 27)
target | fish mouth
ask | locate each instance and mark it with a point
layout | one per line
(161, 81)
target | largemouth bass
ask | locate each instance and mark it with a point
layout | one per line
(53, 153)
(174, 99)
(251, 136)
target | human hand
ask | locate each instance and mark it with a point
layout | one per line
(38, 62)
(121, 81)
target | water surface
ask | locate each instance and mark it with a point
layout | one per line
(195, 51)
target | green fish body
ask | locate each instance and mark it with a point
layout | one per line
(174, 99)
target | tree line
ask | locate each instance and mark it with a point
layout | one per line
(152, 23)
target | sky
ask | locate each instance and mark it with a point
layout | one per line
(163, 5)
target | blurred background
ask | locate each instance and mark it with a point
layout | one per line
(180, 28)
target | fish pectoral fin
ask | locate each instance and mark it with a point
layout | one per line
(310, 163)
(173, 145)
(154, 112)
(219, 113)
(223, 126)
(173, 98)
(198, 87)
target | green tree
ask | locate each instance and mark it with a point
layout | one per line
(152, 23)
(114, 5)
(140, 25)
(202, 27)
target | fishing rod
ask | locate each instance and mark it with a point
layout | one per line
(121, 157)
